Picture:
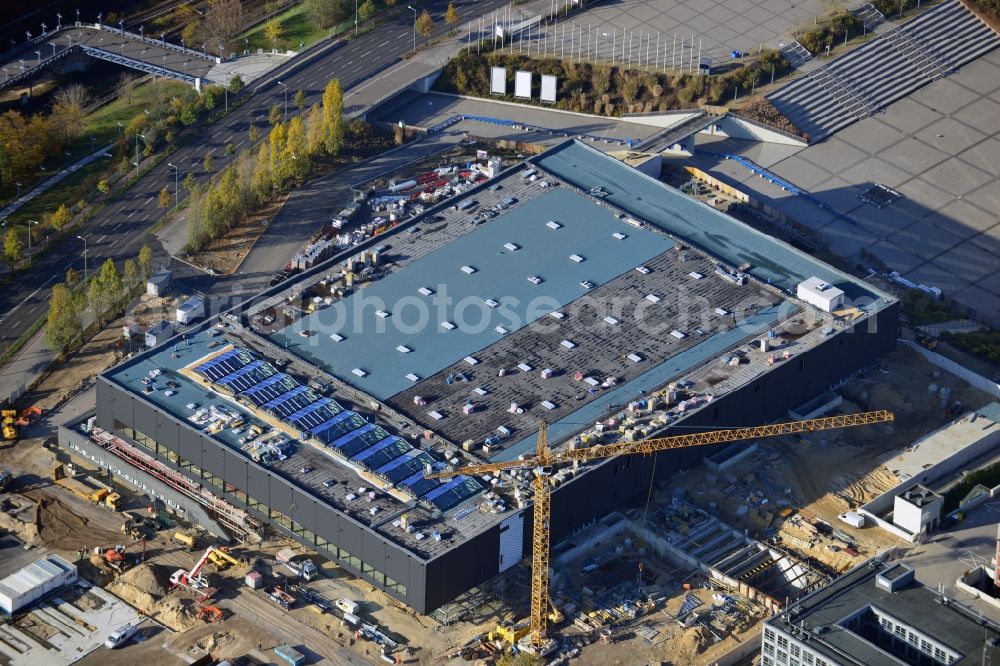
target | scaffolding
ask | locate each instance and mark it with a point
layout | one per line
(241, 524)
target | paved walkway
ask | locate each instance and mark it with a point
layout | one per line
(52, 180)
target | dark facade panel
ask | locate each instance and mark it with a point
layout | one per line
(236, 471)
(258, 483)
(190, 445)
(281, 495)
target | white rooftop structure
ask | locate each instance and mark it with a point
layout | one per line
(822, 294)
(34, 581)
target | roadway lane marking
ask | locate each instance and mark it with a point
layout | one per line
(132, 213)
(116, 228)
(147, 201)
(144, 217)
(101, 238)
(384, 43)
(113, 242)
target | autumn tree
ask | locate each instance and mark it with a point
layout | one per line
(107, 291)
(333, 117)
(299, 100)
(130, 275)
(164, 200)
(103, 186)
(273, 32)
(326, 13)
(13, 249)
(207, 163)
(451, 14)
(62, 327)
(69, 111)
(366, 12)
(279, 159)
(261, 182)
(145, 262)
(236, 84)
(61, 217)
(125, 85)
(222, 21)
(274, 115)
(297, 149)
(314, 129)
(425, 24)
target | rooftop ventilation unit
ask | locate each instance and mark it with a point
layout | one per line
(557, 314)
(447, 325)
(534, 279)
(336, 337)
(548, 405)
(695, 275)
(424, 291)
(403, 349)
(678, 335)
(471, 360)
(413, 378)
(635, 358)
(553, 225)
(611, 320)
(576, 258)
(480, 391)
(513, 247)
(642, 269)
(359, 372)
(568, 344)
(468, 270)
(619, 235)
(501, 330)
(652, 298)
(524, 367)
(437, 416)
(491, 303)
(381, 314)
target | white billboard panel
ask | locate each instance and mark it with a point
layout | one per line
(498, 81)
(522, 85)
(548, 88)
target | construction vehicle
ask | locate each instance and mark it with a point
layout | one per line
(543, 462)
(86, 487)
(193, 580)
(304, 569)
(115, 557)
(210, 614)
(186, 539)
(136, 526)
(222, 559)
(281, 597)
(9, 424)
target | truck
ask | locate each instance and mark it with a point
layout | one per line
(87, 487)
(347, 606)
(304, 568)
(290, 654)
(9, 427)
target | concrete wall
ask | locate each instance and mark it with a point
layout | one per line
(664, 120)
(739, 128)
(973, 378)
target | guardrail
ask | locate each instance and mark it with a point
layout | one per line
(28, 73)
(162, 43)
(141, 65)
(668, 112)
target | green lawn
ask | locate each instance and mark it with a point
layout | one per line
(102, 124)
(297, 28)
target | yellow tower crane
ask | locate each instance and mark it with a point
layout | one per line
(543, 461)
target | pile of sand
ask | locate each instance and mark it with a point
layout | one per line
(178, 613)
(144, 579)
(216, 641)
(26, 531)
(693, 641)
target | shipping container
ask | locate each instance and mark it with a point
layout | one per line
(290, 654)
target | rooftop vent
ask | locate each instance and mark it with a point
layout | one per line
(553, 225)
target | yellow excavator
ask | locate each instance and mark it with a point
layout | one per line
(9, 424)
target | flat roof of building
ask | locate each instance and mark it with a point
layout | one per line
(367, 430)
(502, 256)
(823, 617)
(771, 261)
(946, 441)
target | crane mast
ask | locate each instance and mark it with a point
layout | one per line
(543, 460)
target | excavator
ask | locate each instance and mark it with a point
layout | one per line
(210, 614)
(222, 560)
(115, 557)
(543, 462)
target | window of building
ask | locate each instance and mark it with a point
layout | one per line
(768, 633)
(768, 661)
(768, 647)
(807, 658)
(939, 654)
(281, 519)
(925, 646)
(171, 456)
(782, 657)
(901, 631)
(795, 652)
(783, 642)
(913, 638)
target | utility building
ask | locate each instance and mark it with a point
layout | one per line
(323, 428)
(878, 614)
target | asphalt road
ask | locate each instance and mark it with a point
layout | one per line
(120, 230)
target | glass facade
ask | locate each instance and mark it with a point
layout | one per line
(278, 519)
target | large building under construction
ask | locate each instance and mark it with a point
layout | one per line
(571, 288)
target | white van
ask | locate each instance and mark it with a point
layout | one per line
(121, 636)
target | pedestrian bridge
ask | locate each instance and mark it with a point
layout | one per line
(147, 54)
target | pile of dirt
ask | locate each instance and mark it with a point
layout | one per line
(24, 524)
(59, 527)
(693, 641)
(178, 613)
(144, 579)
(216, 641)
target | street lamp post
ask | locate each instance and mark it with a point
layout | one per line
(355, 17)
(176, 173)
(285, 86)
(84, 258)
(30, 222)
(137, 135)
(414, 27)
